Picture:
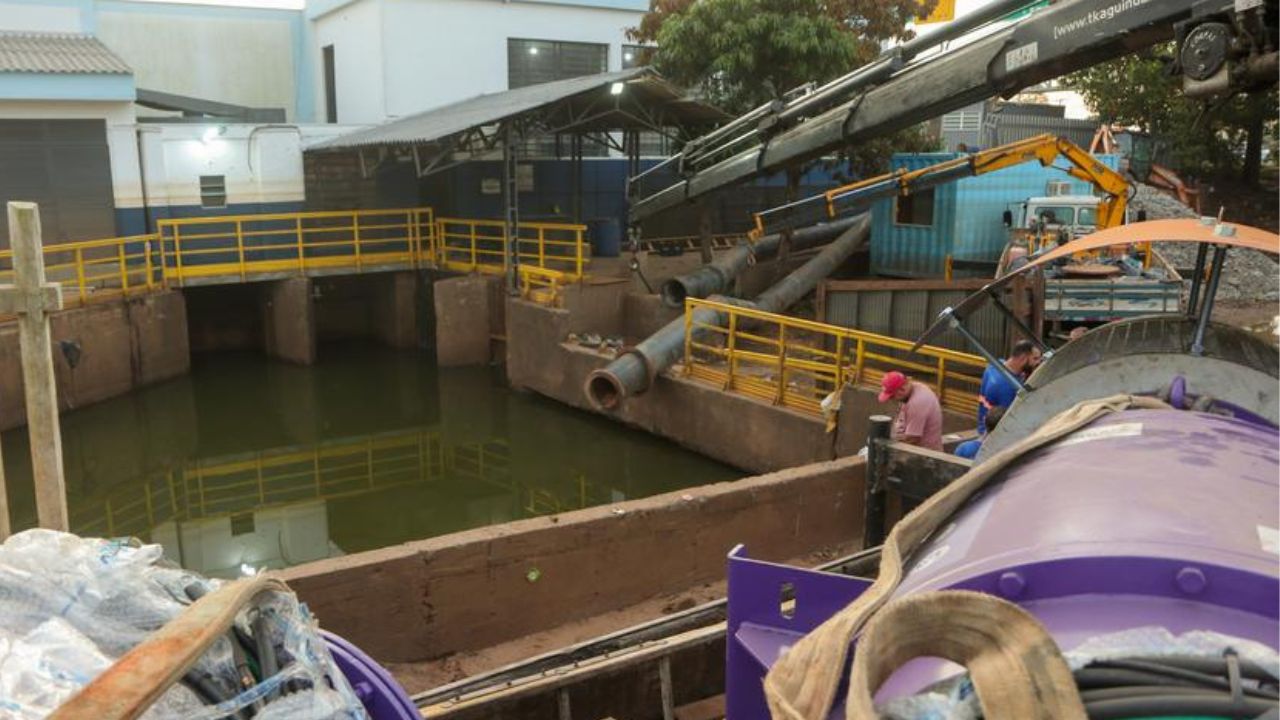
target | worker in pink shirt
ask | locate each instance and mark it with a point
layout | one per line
(919, 420)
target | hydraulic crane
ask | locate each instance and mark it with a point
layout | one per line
(1045, 149)
(1223, 46)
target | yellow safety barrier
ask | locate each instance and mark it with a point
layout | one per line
(95, 269)
(240, 248)
(280, 244)
(468, 245)
(796, 363)
(542, 285)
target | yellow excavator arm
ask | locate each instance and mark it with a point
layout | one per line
(1045, 149)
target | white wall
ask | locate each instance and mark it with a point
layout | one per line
(243, 61)
(121, 141)
(261, 163)
(442, 51)
(39, 18)
(355, 32)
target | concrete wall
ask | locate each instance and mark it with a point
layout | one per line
(470, 590)
(121, 346)
(356, 33)
(734, 429)
(464, 319)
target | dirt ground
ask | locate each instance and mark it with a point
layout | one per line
(1256, 316)
(417, 677)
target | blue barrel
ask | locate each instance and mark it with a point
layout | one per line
(606, 237)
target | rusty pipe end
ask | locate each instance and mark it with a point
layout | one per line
(604, 390)
(674, 293)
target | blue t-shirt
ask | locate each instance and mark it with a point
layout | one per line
(997, 391)
(969, 448)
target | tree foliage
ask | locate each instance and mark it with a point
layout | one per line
(742, 53)
(1199, 139)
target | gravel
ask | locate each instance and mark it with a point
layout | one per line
(1247, 275)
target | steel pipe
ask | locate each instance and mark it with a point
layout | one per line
(715, 277)
(632, 373)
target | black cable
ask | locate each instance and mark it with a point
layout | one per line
(1189, 676)
(1211, 704)
(1130, 691)
(1095, 677)
(1210, 666)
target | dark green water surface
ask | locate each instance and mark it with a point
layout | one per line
(256, 463)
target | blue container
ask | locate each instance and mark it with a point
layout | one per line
(967, 219)
(606, 237)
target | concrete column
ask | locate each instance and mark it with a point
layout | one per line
(462, 321)
(289, 320)
(395, 308)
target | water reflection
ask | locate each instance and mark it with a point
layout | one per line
(252, 463)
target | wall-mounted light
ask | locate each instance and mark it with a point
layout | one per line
(212, 133)
(616, 88)
(533, 50)
(628, 56)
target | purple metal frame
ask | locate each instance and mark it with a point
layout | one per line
(1150, 523)
(381, 695)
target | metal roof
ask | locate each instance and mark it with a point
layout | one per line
(58, 53)
(582, 103)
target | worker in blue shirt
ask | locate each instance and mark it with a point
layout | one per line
(969, 448)
(996, 389)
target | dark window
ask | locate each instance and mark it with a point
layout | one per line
(636, 56)
(330, 86)
(213, 191)
(914, 209)
(530, 62)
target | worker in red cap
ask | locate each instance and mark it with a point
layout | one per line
(919, 420)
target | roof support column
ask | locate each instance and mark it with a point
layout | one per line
(511, 206)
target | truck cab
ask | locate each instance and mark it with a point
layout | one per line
(1072, 215)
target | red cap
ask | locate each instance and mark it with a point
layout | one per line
(891, 383)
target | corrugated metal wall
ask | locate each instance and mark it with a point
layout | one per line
(914, 250)
(1009, 127)
(968, 219)
(906, 313)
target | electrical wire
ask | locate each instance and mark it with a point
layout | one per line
(1209, 703)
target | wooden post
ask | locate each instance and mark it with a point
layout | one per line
(31, 299)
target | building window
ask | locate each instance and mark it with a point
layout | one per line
(330, 86)
(967, 120)
(914, 209)
(213, 191)
(636, 56)
(531, 62)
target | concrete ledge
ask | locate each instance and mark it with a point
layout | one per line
(474, 589)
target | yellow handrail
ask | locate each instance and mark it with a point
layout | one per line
(469, 245)
(796, 362)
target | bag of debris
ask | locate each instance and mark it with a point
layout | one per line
(71, 608)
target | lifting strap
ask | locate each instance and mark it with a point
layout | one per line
(802, 684)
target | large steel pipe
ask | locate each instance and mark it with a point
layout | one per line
(715, 277)
(633, 372)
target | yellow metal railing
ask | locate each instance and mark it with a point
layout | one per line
(96, 269)
(285, 243)
(543, 286)
(238, 248)
(796, 363)
(468, 245)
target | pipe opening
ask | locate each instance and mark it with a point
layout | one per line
(673, 293)
(604, 390)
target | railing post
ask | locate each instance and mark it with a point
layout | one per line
(542, 247)
(839, 379)
(942, 380)
(873, 521)
(302, 255)
(688, 336)
(581, 256)
(858, 358)
(475, 263)
(124, 269)
(146, 261)
(177, 253)
(84, 293)
(355, 229)
(782, 362)
(240, 247)
(732, 347)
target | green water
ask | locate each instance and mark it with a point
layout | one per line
(253, 462)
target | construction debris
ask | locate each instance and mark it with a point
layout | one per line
(1247, 275)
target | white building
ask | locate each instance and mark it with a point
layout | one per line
(381, 59)
(73, 138)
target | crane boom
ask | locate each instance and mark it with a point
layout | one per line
(1047, 44)
(1045, 149)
